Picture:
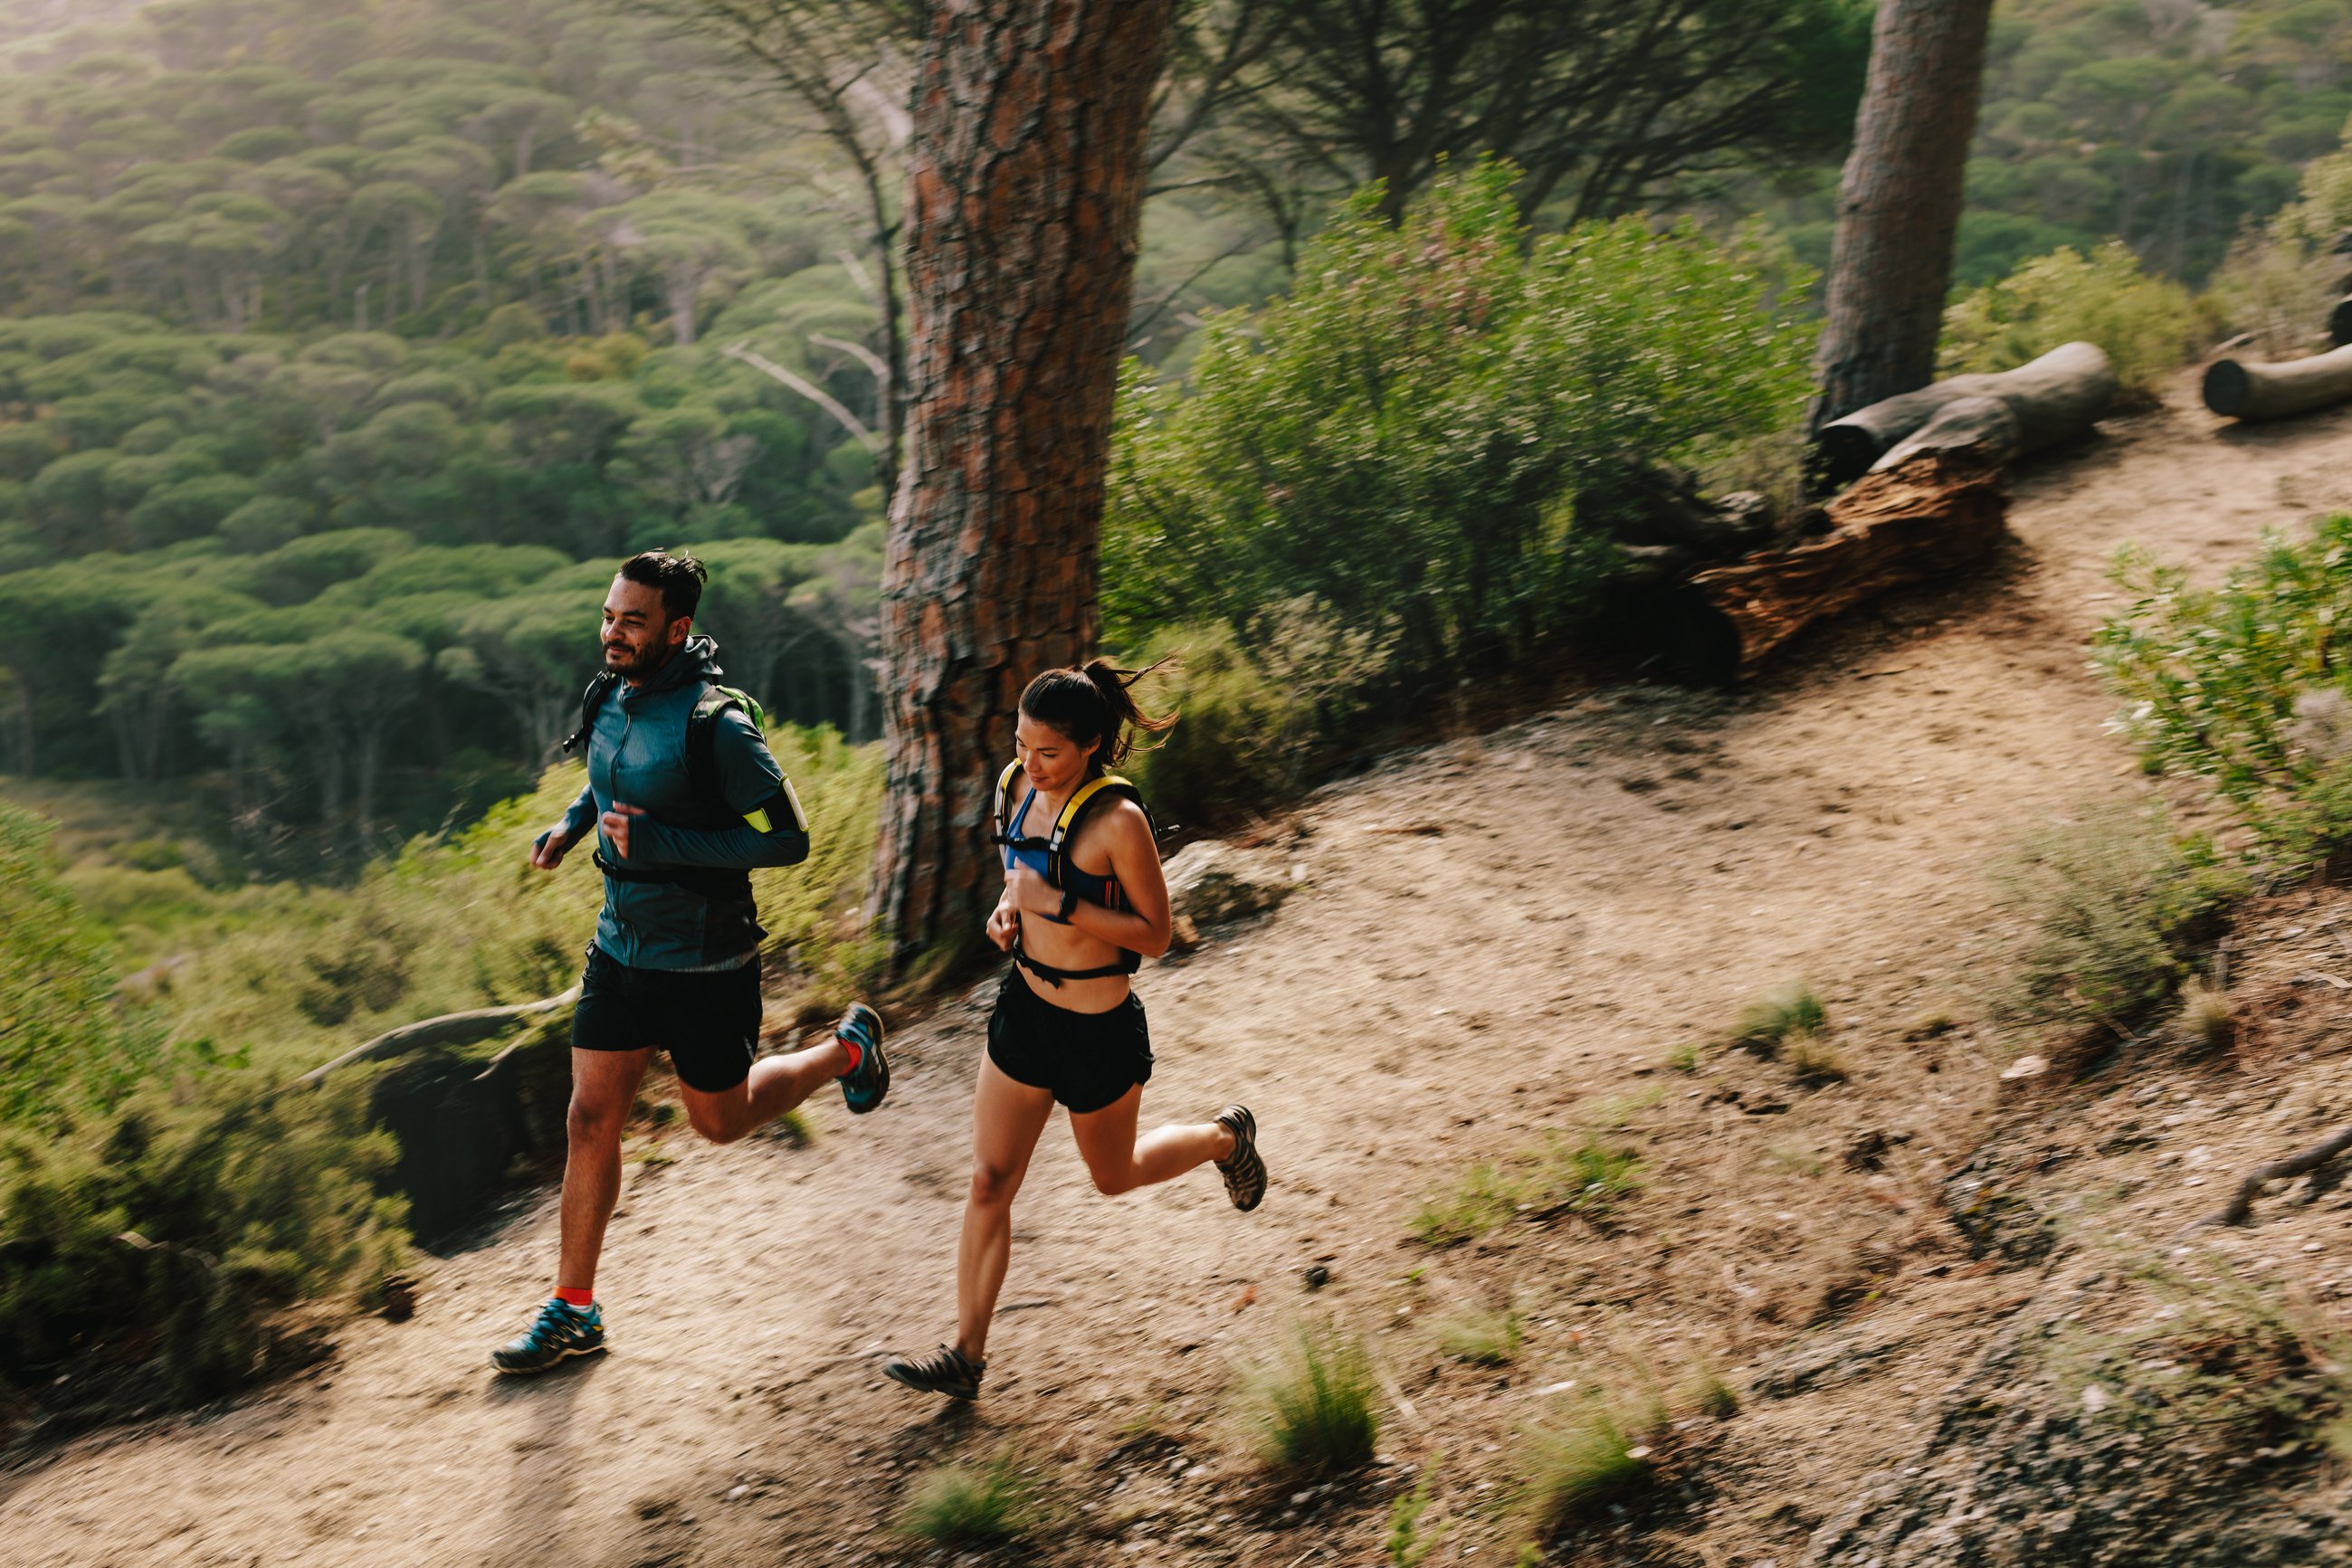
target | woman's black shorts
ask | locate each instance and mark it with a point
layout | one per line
(1087, 1060)
(708, 1021)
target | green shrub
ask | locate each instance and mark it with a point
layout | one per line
(2210, 676)
(1315, 1404)
(160, 1236)
(2112, 908)
(1253, 721)
(1421, 440)
(2146, 324)
(64, 1044)
(1789, 1009)
(1410, 1541)
(963, 1505)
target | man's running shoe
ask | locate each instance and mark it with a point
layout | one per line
(950, 1372)
(864, 1085)
(1244, 1172)
(562, 1331)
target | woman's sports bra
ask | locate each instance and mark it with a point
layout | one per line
(1092, 889)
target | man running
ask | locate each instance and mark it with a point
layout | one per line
(684, 798)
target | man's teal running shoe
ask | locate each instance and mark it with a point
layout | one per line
(562, 1331)
(864, 1085)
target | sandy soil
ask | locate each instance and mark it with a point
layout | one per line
(1495, 938)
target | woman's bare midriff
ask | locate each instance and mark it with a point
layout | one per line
(1067, 947)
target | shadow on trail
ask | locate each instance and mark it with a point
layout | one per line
(539, 1487)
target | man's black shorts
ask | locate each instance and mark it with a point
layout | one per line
(708, 1021)
(1087, 1060)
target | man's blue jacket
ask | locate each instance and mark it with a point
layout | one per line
(636, 755)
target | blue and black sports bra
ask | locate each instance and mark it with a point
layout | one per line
(1090, 888)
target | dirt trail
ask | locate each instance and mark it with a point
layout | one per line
(1493, 933)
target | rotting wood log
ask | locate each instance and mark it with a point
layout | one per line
(1939, 512)
(2247, 390)
(449, 1029)
(2241, 1208)
(2053, 398)
(1982, 423)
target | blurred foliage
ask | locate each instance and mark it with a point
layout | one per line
(2146, 325)
(1395, 478)
(2281, 279)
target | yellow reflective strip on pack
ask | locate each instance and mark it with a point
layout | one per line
(757, 820)
(1078, 798)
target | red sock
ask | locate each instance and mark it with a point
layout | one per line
(573, 1296)
(857, 1054)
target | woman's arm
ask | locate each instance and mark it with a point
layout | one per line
(1143, 927)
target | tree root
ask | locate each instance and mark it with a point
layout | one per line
(2242, 1208)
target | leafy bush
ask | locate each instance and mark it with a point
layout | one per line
(1317, 1404)
(2146, 324)
(2211, 676)
(63, 1043)
(1420, 441)
(145, 1249)
(2114, 907)
(963, 1505)
(1255, 720)
(2279, 280)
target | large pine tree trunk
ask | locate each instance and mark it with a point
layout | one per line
(1899, 202)
(1023, 196)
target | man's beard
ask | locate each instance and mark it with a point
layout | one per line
(622, 660)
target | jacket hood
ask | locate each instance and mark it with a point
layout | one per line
(696, 661)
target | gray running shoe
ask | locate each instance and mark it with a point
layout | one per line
(1244, 1172)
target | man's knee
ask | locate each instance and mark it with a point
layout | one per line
(715, 1126)
(1111, 1183)
(592, 1119)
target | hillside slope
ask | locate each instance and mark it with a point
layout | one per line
(1496, 938)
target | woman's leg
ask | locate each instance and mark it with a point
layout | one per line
(1120, 1162)
(1006, 1119)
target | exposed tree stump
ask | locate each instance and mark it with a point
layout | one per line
(1939, 512)
(2245, 389)
(2052, 399)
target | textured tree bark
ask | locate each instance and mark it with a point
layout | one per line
(1899, 202)
(1938, 513)
(2053, 398)
(2243, 389)
(1024, 197)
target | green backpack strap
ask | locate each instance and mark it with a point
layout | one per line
(702, 756)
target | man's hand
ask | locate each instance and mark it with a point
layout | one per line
(548, 850)
(1025, 891)
(615, 824)
(1003, 926)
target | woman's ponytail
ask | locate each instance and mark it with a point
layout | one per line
(1091, 702)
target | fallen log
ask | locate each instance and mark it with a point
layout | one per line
(449, 1029)
(2239, 1209)
(1940, 511)
(2052, 399)
(2246, 389)
(1983, 424)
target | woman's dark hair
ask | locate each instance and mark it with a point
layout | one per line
(1090, 703)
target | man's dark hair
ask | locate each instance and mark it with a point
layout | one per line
(679, 578)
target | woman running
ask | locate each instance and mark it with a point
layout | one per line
(1079, 912)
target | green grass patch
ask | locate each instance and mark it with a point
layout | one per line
(1772, 1018)
(1483, 1336)
(969, 1505)
(1586, 1177)
(1579, 1466)
(1316, 1403)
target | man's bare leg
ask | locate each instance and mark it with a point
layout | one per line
(604, 1090)
(777, 1084)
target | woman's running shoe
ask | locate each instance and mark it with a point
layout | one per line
(561, 1330)
(950, 1372)
(864, 1085)
(1244, 1172)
